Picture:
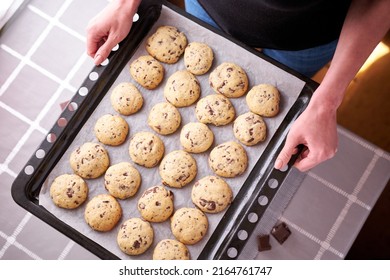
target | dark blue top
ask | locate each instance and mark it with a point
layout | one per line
(279, 24)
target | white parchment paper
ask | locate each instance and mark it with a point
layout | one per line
(258, 71)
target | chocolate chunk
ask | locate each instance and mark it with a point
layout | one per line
(263, 243)
(136, 244)
(70, 192)
(210, 205)
(281, 232)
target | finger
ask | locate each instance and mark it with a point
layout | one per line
(309, 158)
(304, 153)
(305, 164)
(285, 154)
(105, 49)
(94, 42)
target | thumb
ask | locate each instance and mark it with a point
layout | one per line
(289, 149)
(105, 49)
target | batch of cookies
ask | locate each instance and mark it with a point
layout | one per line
(210, 194)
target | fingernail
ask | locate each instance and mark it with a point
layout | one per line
(278, 164)
(96, 59)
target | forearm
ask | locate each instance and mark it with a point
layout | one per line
(128, 6)
(366, 24)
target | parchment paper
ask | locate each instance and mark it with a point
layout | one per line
(258, 71)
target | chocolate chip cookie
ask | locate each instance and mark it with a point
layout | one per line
(170, 249)
(215, 109)
(167, 44)
(198, 58)
(146, 149)
(103, 212)
(177, 169)
(249, 129)
(182, 89)
(156, 204)
(111, 130)
(122, 180)
(135, 236)
(147, 71)
(189, 225)
(90, 160)
(228, 159)
(126, 99)
(211, 194)
(196, 137)
(264, 100)
(229, 79)
(68, 191)
(164, 118)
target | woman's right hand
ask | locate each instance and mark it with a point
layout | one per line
(109, 27)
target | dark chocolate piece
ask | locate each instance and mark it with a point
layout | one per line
(263, 241)
(281, 232)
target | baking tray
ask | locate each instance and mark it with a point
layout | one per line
(226, 241)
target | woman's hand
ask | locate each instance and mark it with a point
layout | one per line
(110, 27)
(316, 129)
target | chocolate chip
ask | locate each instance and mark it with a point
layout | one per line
(136, 244)
(210, 205)
(70, 192)
(263, 243)
(150, 190)
(210, 110)
(281, 232)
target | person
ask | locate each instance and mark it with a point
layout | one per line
(348, 31)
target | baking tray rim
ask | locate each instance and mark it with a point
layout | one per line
(26, 186)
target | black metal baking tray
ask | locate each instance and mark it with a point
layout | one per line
(224, 243)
